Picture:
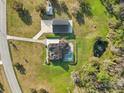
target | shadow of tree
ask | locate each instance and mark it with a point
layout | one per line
(109, 8)
(80, 18)
(60, 7)
(56, 5)
(65, 9)
(86, 9)
(25, 16)
(1, 88)
(20, 68)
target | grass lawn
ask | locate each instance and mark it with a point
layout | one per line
(18, 27)
(54, 78)
(3, 81)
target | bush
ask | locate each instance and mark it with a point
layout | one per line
(33, 91)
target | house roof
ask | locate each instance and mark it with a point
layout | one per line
(61, 26)
(60, 22)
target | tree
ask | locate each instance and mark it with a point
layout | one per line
(41, 8)
(33, 91)
(18, 6)
(42, 91)
(20, 68)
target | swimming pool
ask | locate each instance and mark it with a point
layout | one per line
(69, 57)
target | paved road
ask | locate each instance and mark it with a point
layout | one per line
(4, 51)
(25, 39)
(0, 62)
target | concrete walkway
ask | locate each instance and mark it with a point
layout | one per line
(46, 27)
(26, 39)
(38, 35)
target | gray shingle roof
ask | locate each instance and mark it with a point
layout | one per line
(60, 22)
(61, 26)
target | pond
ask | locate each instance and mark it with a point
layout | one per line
(99, 48)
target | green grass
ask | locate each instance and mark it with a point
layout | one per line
(18, 27)
(56, 79)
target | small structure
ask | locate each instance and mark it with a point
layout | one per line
(60, 51)
(49, 8)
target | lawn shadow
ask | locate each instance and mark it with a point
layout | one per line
(80, 18)
(25, 16)
(64, 65)
(65, 9)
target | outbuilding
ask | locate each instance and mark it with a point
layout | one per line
(49, 8)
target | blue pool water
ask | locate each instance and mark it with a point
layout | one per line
(68, 57)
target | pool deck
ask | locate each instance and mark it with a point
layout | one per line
(54, 41)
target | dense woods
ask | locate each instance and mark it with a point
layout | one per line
(106, 75)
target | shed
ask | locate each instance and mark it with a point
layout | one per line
(49, 9)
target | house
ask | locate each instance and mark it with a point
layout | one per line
(60, 51)
(57, 26)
